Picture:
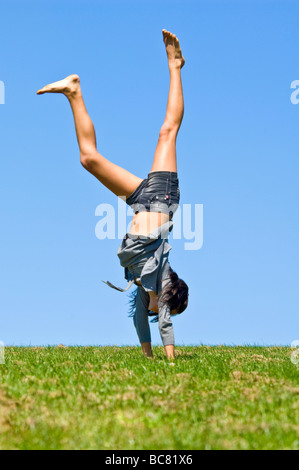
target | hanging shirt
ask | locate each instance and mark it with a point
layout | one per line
(145, 259)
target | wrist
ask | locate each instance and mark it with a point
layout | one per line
(169, 349)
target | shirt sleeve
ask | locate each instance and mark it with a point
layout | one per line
(141, 316)
(165, 325)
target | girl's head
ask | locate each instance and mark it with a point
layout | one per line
(175, 293)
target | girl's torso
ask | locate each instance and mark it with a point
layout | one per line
(144, 223)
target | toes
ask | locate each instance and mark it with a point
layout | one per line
(168, 36)
(171, 39)
(176, 41)
(165, 34)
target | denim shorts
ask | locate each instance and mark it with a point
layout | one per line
(159, 192)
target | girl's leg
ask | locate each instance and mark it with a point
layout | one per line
(120, 181)
(165, 155)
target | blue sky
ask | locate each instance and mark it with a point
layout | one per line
(237, 155)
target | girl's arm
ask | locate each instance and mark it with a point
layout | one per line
(141, 321)
(166, 329)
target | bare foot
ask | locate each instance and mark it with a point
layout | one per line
(70, 86)
(173, 49)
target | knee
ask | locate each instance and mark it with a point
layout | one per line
(168, 131)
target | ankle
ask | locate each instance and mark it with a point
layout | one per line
(175, 66)
(73, 95)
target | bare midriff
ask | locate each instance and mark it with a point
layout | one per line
(144, 223)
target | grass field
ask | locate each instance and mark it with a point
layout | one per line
(113, 398)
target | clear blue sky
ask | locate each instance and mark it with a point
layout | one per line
(237, 155)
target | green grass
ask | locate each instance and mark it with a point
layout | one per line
(113, 398)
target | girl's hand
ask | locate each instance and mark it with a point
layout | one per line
(169, 349)
(147, 349)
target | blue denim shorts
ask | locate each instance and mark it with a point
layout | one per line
(159, 192)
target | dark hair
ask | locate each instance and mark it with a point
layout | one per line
(175, 293)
